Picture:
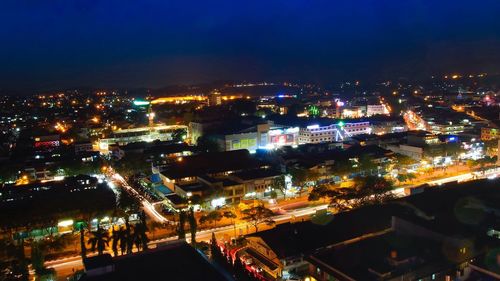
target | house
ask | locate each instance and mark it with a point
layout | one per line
(256, 181)
(287, 245)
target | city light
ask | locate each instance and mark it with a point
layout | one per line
(218, 202)
(65, 223)
(141, 102)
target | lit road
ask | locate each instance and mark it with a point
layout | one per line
(490, 173)
(64, 267)
(147, 206)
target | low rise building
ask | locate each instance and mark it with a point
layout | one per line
(176, 259)
(376, 109)
(318, 134)
(234, 175)
(143, 134)
(489, 133)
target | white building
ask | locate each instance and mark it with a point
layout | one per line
(358, 128)
(317, 134)
(331, 133)
(376, 109)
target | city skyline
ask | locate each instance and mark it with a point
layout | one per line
(283, 140)
(155, 44)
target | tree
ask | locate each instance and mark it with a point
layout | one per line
(214, 249)
(82, 241)
(342, 167)
(213, 216)
(231, 215)
(258, 215)
(452, 149)
(37, 256)
(115, 239)
(405, 177)
(300, 177)
(38, 250)
(8, 173)
(206, 144)
(343, 199)
(404, 160)
(278, 183)
(132, 163)
(99, 240)
(140, 238)
(127, 206)
(193, 226)
(181, 232)
(365, 163)
(123, 238)
(140, 233)
(366, 190)
(372, 189)
(319, 192)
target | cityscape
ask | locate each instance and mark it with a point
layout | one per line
(252, 160)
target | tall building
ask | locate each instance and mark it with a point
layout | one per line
(214, 98)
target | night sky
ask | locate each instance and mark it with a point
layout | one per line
(119, 43)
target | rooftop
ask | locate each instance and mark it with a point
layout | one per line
(212, 162)
(389, 255)
(174, 261)
(291, 239)
(256, 174)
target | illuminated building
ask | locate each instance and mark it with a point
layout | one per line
(46, 143)
(260, 136)
(376, 109)
(334, 132)
(489, 133)
(317, 134)
(283, 136)
(353, 112)
(214, 99)
(146, 134)
(357, 128)
(234, 173)
(83, 147)
(421, 138)
(180, 99)
(445, 128)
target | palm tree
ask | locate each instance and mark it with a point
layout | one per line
(122, 237)
(99, 240)
(115, 239)
(180, 229)
(82, 241)
(192, 226)
(139, 237)
(127, 205)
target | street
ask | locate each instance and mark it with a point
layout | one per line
(65, 267)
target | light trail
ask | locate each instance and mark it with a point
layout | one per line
(230, 230)
(148, 207)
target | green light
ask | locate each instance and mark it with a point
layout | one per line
(140, 102)
(313, 110)
(341, 123)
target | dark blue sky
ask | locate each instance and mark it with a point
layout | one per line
(120, 43)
